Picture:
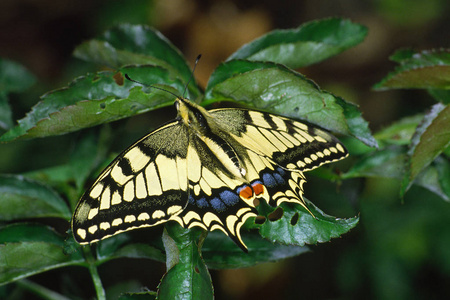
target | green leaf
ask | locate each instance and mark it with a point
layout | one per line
(123, 245)
(6, 121)
(89, 152)
(435, 178)
(431, 138)
(95, 99)
(187, 277)
(25, 198)
(308, 44)
(401, 132)
(440, 95)
(219, 251)
(137, 44)
(443, 174)
(358, 127)
(426, 69)
(388, 162)
(29, 232)
(298, 227)
(14, 77)
(275, 88)
(28, 249)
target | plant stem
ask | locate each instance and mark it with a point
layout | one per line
(92, 266)
(40, 290)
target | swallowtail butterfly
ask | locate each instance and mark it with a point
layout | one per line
(207, 168)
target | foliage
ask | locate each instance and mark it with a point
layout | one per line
(35, 207)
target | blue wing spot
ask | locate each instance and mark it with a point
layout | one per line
(281, 171)
(201, 203)
(229, 198)
(191, 199)
(257, 182)
(217, 204)
(269, 180)
(278, 178)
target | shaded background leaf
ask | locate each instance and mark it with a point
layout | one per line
(431, 138)
(137, 44)
(426, 69)
(28, 249)
(308, 44)
(24, 198)
(95, 99)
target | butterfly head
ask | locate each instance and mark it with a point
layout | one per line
(192, 115)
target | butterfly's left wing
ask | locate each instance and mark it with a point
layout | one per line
(144, 186)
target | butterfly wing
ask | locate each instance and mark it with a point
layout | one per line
(144, 186)
(277, 150)
(211, 180)
(214, 201)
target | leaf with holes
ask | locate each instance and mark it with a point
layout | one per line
(298, 227)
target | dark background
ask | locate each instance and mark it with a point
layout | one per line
(398, 251)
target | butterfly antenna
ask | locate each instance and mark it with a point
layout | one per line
(151, 86)
(192, 74)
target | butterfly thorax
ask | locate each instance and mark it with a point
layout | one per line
(200, 123)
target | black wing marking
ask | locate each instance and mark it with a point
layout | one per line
(144, 186)
(277, 150)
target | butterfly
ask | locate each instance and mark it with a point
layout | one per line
(207, 169)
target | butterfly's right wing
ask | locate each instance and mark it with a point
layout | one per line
(277, 150)
(144, 186)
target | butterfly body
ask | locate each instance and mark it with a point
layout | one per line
(207, 169)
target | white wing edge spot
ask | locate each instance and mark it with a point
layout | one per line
(231, 221)
(158, 214)
(143, 216)
(209, 217)
(92, 229)
(130, 219)
(81, 233)
(105, 225)
(117, 222)
(191, 215)
(340, 148)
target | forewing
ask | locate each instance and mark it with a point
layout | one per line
(144, 186)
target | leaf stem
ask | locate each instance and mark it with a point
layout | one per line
(92, 266)
(40, 290)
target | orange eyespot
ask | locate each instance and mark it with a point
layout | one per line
(246, 193)
(258, 188)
